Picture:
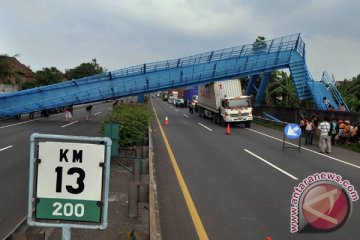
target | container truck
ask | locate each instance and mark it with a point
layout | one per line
(224, 103)
(190, 95)
(172, 95)
(164, 96)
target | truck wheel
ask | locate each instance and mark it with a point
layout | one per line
(201, 112)
(248, 124)
(222, 122)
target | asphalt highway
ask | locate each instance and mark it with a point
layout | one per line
(210, 185)
(14, 155)
(241, 185)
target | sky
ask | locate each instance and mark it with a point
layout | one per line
(123, 33)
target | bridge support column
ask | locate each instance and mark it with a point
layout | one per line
(251, 85)
(263, 84)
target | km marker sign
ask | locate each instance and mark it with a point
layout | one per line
(69, 181)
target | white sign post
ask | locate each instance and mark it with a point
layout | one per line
(71, 182)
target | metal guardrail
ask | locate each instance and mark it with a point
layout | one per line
(22, 231)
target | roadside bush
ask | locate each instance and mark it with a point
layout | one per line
(134, 123)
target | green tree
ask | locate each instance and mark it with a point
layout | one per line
(350, 91)
(281, 90)
(134, 122)
(85, 70)
(259, 44)
(48, 76)
(28, 85)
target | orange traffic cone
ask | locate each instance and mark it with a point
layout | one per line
(268, 238)
(228, 131)
(166, 121)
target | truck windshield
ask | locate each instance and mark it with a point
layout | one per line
(239, 103)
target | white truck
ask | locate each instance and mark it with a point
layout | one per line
(224, 103)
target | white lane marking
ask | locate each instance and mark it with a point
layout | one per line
(272, 165)
(56, 115)
(110, 108)
(205, 127)
(185, 115)
(15, 124)
(97, 113)
(6, 148)
(307, 149)
(176, 110)
(69, 124)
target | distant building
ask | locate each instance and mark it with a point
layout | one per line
(21, 74)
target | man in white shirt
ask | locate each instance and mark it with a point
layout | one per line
(325, 140)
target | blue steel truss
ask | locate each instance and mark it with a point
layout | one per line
(228, 63)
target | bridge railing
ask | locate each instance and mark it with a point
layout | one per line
(315, 91)
(331, 83)
(287, 43)
(291, 42)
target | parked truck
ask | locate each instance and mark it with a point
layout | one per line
(190, 95)
(164, 96)
(224, 103)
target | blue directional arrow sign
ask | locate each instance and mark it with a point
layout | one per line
(292, 131)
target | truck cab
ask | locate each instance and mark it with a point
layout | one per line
(236, 110)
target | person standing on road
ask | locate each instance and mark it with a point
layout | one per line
(334, 130)
(325, 140)
(309, 132)
(88, 111)
(68, 115)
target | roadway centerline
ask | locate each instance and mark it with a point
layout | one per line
(272, 165)
(97, 113)
(307, 149)
(185, 115)
(205, 127)
(176, 110)
(2, 149)
(69, 124)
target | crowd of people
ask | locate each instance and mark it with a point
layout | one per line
(330, 132)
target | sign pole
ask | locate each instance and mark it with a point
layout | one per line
(284, 143)
(66, 233)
